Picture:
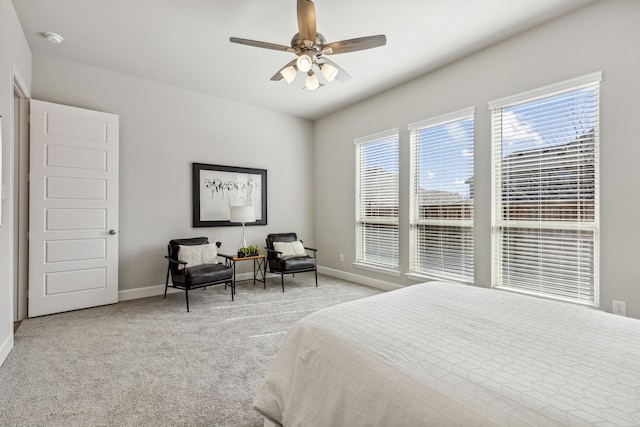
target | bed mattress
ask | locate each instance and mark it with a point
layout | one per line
(447, 354)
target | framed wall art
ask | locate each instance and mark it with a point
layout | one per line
(216, 188)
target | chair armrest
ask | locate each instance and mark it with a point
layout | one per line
(311, 249)
(229, 257)
(273, 251)
(175, 261)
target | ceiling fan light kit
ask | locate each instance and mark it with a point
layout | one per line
(304, 62)
(329, 71)
(311, 48)
(312, 81)
(289, 73)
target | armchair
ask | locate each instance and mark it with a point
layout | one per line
(193, 263)
(287, 255)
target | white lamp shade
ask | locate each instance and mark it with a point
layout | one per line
(329, 72)
(289, 73)
(312, 82)
(243, 214)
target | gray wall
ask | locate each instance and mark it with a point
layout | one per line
(15, 62)
(601, 37)
(162, 131)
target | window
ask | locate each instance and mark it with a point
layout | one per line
(441, 179)
(377, 194)
(545, 191)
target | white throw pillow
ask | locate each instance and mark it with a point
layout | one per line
(298, 248)
(198, 254)
(209, 254)
(290, 249)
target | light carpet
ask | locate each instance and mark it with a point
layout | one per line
(148, 362)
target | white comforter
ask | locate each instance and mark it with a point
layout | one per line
(445, 354)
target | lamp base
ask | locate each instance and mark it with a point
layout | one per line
(243, 242)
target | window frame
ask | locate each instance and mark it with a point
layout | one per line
(461, 275)
(363, 259)
(548, 227)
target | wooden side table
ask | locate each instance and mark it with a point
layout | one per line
(259, 267)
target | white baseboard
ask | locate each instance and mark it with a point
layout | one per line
(367, 281)
(5, 347)
(152, 291)
(149, 291)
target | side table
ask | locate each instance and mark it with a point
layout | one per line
(259, 267)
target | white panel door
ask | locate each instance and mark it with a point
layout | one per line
(73, 212)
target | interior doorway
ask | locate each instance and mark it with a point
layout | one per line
(20, 201)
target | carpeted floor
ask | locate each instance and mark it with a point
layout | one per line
(148, 362)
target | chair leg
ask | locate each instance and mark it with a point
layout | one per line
(186, 295)
(166, 282)
(282, 279)
(316, 271)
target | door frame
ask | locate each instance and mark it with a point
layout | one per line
(20, 197)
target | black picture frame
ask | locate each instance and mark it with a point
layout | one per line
(216, 188)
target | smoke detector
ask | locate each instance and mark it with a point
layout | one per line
(54, 38)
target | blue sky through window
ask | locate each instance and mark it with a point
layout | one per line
(549, 122)
(445, 157)
(445, 163)
(381, 154)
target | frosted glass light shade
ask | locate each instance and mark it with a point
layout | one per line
(329, 72)
(312, 82)
(304, 63)
(243, 214)
(289, 73)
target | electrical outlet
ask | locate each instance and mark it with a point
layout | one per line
(341, 257)
(619, 308)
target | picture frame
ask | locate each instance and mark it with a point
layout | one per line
(216, 188)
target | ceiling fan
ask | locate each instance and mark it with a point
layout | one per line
(312, 48)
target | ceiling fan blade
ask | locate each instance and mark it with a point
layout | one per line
(278, 76)
(342, 76)
(353, 45)
(307, 20)
(263, 45)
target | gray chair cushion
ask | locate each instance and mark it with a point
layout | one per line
(298, 263)
(206, 273)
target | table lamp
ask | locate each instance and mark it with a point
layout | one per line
(243, 214)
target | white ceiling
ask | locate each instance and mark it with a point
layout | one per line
(185, 43)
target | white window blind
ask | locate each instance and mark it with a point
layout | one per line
(545, 219)
(377, 199)
(441, 179)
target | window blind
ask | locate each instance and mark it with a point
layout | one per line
(377, 199)
(545, 219)
(442, 187)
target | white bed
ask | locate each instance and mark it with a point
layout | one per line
(446, 354)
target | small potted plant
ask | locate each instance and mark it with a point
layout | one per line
(248, 251)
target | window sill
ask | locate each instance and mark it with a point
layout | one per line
(377, 269)
(422, 277)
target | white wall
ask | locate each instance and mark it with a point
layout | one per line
(15, 62)
(604, 36)
(162, 131)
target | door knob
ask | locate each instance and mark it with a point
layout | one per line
(112, 231)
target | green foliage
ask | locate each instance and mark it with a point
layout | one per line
(249, 250)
